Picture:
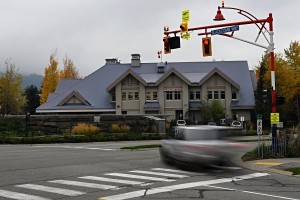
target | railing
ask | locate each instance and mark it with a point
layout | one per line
(273, 147)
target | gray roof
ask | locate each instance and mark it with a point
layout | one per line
(93, 87)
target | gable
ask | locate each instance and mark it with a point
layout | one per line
(218, 76)
(171, 73)
(74, 98)
(124, 77)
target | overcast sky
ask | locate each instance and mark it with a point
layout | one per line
(89, 31)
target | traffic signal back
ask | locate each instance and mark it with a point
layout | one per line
(167, 48)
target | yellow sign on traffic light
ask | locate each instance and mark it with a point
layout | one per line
(185, 15)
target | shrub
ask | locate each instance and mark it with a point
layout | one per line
(125, 128)
(84, 129)
(115, 128)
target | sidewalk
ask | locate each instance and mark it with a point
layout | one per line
(269, 165)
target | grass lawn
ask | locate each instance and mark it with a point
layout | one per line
(295, 170)
(142, 147)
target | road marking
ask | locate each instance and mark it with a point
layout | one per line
(97, 178)
(84, 184)
(51, 189)
(74, 147)
(140, 193)
(268, 163)
(140, 177)
(159, 174)
(171, 170)
(19, 196)
(250, 192)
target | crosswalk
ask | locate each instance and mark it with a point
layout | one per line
(107, 181)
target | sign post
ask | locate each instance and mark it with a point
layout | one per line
(259, 131)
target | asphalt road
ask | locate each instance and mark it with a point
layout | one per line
(101, 170)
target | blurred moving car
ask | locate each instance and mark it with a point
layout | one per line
(201, 145)
(180, 122)
(212, 123)
(236, 124)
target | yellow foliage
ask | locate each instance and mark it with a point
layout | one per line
(115, 128)
(125, 129)
(84, 129)
(51, 78)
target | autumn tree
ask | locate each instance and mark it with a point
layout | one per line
(11, 92)
(287, 67)
(69, 71)
(50, 80)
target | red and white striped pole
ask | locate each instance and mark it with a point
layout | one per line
(272, 62)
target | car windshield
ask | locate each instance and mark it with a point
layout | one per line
(195, 134)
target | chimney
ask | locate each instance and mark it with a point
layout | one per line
(135, 60)
(112, 61)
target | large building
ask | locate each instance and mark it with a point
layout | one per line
(174, 89)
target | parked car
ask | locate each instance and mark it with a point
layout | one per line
(236, 124)
(180, 122)
(201, 145)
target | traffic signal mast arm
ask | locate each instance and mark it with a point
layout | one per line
(268, 20)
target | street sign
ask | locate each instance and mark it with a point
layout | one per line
(259, 127)
(185, 15)
(274, 117)
(259, 116)
(224, 30)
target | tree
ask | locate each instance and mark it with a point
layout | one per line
(217, 110)
(51, 78)
(33, 99)
(261, 107)
(69, 71)
(11, 92)
(211, 111)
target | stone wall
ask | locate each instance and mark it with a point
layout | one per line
(59, 124)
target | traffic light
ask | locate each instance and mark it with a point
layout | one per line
(206, 46)
(280, 100)
(174, 42)
(265, 96)
(184, 27)
(167, 48)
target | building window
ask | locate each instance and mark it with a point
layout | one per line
(216, 94)
(234, 95)
(198, 97)
(169, 95)
(130, 96)
(223, 95)
(113, 97)
(154, 96)
(191, 95)
(148, 96)
(209, 95)
(123, 96)
(177, 95)
(136, 96)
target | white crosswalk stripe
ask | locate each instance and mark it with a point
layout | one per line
(84, 184)
(51, 189)
(97, 178)
(140, 177)
(19, 196)
(171, 170)
(159, 174)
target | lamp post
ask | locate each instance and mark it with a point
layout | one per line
(260, 23)
(219, 17)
